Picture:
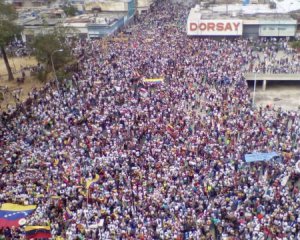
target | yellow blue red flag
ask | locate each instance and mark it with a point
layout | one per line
(153, 80)
(14, 215)
(38, 232)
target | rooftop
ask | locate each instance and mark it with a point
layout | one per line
(283, 6)
(106, 1)
(104, 19)
(40, 22)
(256, 16)
(251, 12)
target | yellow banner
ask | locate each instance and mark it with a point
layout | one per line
(30, 228)
(16, 207)
(153, 80)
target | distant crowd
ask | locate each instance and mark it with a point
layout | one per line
(108, 155)
(274, 57)
(18, 48)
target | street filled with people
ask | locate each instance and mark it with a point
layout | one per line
(110, 155)
(274, 57)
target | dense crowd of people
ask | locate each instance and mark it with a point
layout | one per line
(18, 48)
(110, 156)
(273, 57)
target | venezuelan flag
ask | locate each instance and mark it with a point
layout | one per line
(153, 80)
(14, 215)
(170, 129)
(90, 182)
(37, 232)
(67, 214)
(65, 180)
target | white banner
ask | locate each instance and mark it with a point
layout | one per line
(277, 30)
(218, 27)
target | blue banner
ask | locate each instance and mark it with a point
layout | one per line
(259, 156)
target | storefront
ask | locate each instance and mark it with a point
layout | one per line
(250, 25)
(220, 27)
(279, 28)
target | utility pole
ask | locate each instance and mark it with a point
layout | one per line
(254, 91)
(227, 7)
(53, 68)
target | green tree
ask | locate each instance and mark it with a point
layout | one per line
(70, 10)
(45, 48)
(296, 45)
(8, 29)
